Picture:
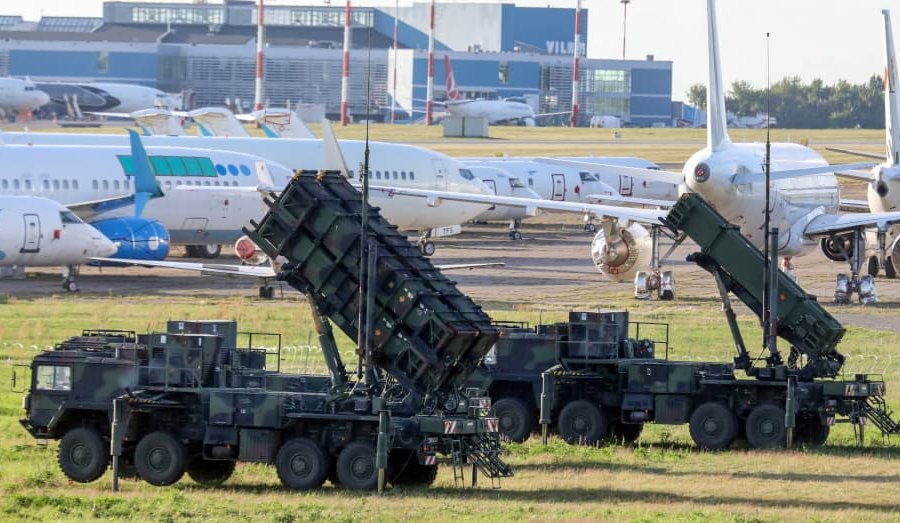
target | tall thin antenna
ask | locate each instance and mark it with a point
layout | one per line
(767, 319)
(362, 329)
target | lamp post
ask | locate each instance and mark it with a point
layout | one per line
(624, 24)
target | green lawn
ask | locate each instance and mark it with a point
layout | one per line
(662, 478)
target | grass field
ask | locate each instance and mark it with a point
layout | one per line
(662, 478)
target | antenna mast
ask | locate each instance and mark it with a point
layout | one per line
(768, 329)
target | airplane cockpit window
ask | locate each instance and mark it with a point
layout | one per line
(587, 177)
(516, 183)
(466, 174)
(69, 217)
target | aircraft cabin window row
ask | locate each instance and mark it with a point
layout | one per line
(45, 185)
(402, 175)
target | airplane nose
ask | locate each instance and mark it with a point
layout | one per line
(103, 247)
(42, 98)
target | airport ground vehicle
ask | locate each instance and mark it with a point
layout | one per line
(189, 399)
(589, 381)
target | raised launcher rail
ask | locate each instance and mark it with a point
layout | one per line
(426, 333)
(739, 268)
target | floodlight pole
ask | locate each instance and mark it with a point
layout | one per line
(624, 24)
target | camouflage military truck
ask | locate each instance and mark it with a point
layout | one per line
(588, 381)
(190, 400)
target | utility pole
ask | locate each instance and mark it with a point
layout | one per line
(624, 24)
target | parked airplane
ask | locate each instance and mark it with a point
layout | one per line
(804, 200)
(110, 97)
(394, 165)
(39, 232)
(502, 183)
(496, 111)
(883, 194)
(21, 95)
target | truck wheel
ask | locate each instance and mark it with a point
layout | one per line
(582, 422)
(516, 419)
(625, 433)
(765, 427)
(160, 459)
(713, 426)
(209, 472)
(356, 468)
(302, 464)
(82, 455)
(811, 432)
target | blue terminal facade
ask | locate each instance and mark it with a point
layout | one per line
(497, 51)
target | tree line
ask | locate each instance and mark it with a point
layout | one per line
(813, 105)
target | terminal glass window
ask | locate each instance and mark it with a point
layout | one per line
(504, 73)
(178, 15)
(607, 81)
(53, 377)
(103, 62)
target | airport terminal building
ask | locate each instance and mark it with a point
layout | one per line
(209, 50)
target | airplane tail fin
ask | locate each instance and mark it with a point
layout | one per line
(334, 157)
(716, 129)
(452, 91)
(891, 103)
(145, 184)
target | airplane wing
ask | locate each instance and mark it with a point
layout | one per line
(531, 206)
(651, 175)
(628, 200)
(855, 175)
(826, 224)
(854, 205)
(743, 178)
(862, 154)
(265, 272)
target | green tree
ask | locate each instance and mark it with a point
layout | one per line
(696, 96)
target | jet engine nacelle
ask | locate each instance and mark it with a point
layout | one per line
(249, 252)
(625, 252)
(136, 238)
(832, 248)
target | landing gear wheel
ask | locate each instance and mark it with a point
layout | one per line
(70, 286)
(872, 268)
(590, 227)
(426, 247)
(515, 235)
(765, 427)
(82, 457)
(890, 270)
(811, 432)
(582, 422)
(625, 433)
(516, 419)
(192, 251)
(713, 426)
(210, 250)
(356, 468)
(266, 292)
(210, 473)
(160, 458)
(302, 464)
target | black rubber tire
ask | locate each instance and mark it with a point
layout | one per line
(405, 470)
(209, 472)
(208, 253)
(625, 433)
(192, 251)
(765, 427)
(515, 417)
(811, 432)
(356, 468)
(872, 266)
(302, 464)
(160, 459)
(890, 271)
(713, 426)
(83, 457)
(582, 422)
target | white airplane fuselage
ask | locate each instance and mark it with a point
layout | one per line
(496, 111)
(38, 231)
(503, 183)
(550, 182)
(136, 97)
(391, 165)
(793, 201)
(21, 95)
